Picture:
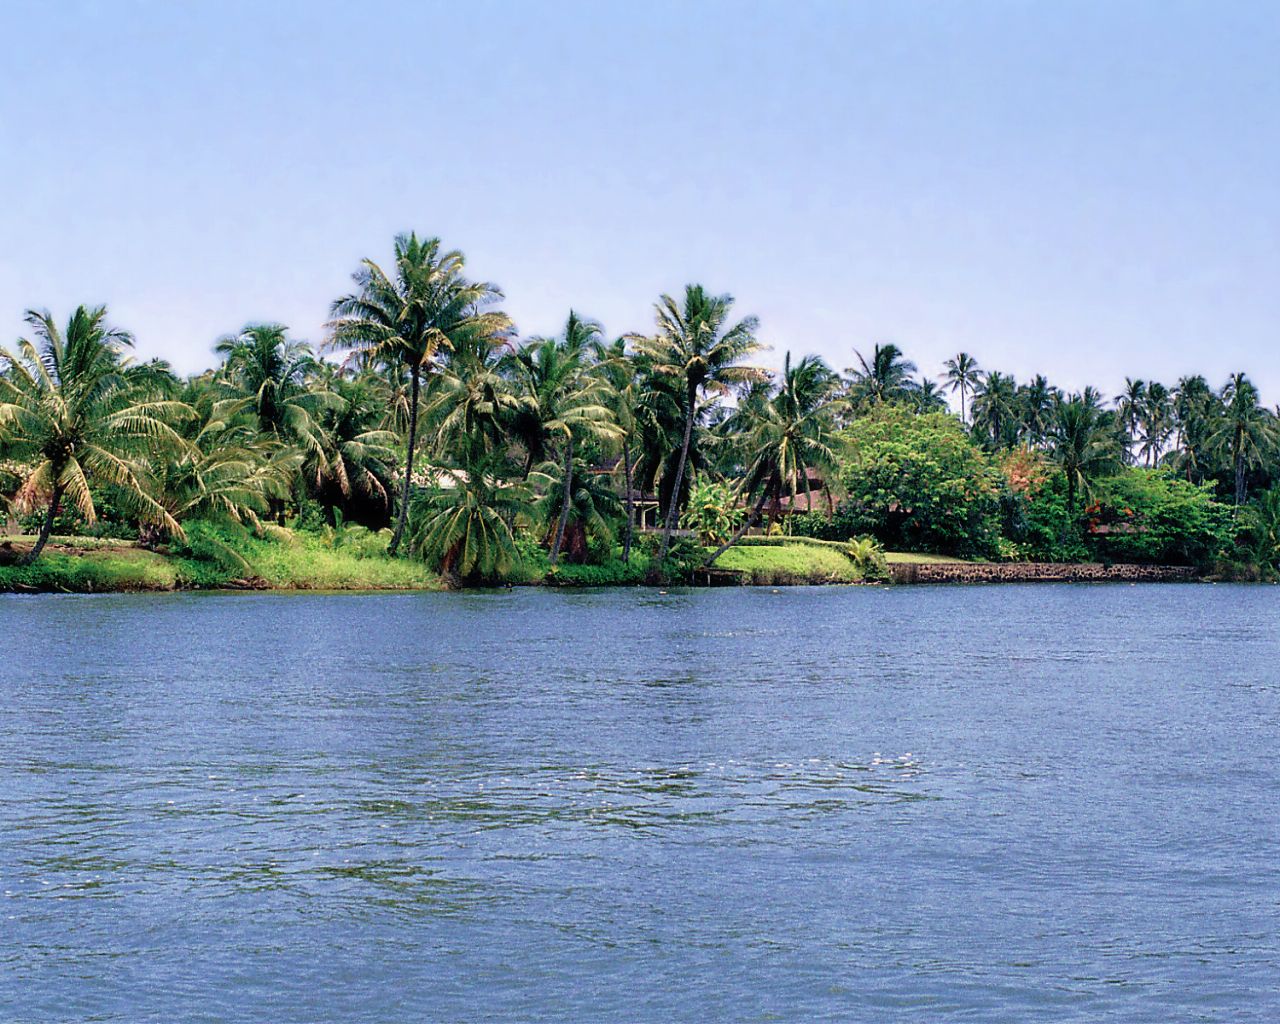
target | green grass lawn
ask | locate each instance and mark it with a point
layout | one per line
(307, 562)
(916, 558)
(86, 565)
(790, 563)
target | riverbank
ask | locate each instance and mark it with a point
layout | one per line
(304, 561)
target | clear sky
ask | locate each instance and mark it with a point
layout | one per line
(1083, 189)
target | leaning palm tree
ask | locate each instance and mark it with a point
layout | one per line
(77, 416)
(406, 319)
(696, 344)
(1082, 443)
(963, 374)
(1245, 433)
(561, 401)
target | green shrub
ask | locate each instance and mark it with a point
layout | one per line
(919, 483)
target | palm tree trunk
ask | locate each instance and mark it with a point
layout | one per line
(674, 502)
(1239, 467)
(46, 528)
(403, 515)
(742, 530)
(626, 472)
(565, 504)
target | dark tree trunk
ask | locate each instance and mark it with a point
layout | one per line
(565, 504)
(46, 528)
(674, 503)
(403, 515)
(1239, 467)
(626, 470)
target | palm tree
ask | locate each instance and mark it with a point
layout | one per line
(1195, 412)
(926, 396)
(561, 401)
(1081, 442)
(1155, 423)
(786, 434)
(353, 466)
(593, 505)
(883, 377)
(696, 344)
(226, 471)
(77, 416)
(1035, 403)
(470, 405)
(619, 372)
(995, 414)
(963, 374)
(1129, 407)
(464, 529)
(406, 319)
(1244, 434)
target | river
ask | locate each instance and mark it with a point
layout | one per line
(1009, 803)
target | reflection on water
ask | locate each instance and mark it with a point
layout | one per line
(1012, 803)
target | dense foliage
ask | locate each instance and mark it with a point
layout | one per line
(425, 423)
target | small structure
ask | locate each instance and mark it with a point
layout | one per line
(815, 498)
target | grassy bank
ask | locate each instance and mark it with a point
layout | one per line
(356, 560)
(786, 564)
(297, 562)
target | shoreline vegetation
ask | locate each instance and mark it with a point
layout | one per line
(314, 563)
(424, 443)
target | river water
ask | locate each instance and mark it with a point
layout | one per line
(1012, 803)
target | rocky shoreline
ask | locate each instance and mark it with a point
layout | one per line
(1039, 572)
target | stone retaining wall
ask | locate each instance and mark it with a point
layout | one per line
(1042, 572)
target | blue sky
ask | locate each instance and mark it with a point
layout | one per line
(1083, 189)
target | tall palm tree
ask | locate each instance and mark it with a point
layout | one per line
(403, 319)
(77, 416)
(883, 377)
(1081, 442)
(962, 375)
(1244, 434)
(1129, 407)
(560, 401)
(995, 414)
(696, 344)
(1196, 410)
(1035, 403)
(1155, 423)
(620, 374)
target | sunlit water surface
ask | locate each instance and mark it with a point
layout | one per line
(1019, 803)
